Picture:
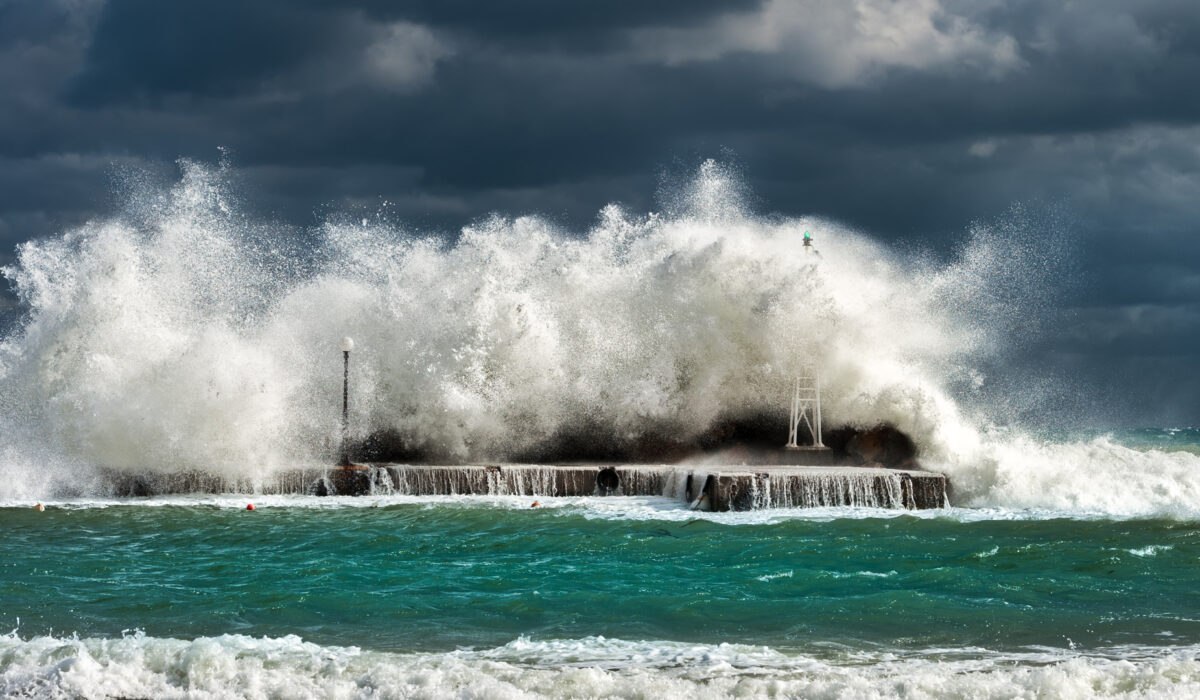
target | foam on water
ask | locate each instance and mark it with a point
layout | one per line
(633, 508)
(240, 666)
(178, 335)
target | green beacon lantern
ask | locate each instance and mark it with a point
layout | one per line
(807, 239)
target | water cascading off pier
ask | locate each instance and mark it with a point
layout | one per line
(712, 487)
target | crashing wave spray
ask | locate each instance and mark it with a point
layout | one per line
(181, 336)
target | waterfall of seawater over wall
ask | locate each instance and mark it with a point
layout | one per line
(525, 481)
(852, 488)
(529, 480)
(122, 483)
(737, 489)
(734, 488)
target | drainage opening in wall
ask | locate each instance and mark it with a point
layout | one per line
(607, 480)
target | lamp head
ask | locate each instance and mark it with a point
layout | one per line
(347, 344)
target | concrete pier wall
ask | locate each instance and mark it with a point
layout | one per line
(715, 487)
(530, 480)
(810, 487)
(142, 484)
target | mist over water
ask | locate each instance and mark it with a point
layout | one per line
(180, 334)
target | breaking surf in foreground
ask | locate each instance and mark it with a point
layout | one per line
(233, 665)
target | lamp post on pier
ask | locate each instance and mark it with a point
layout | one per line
(348, 478)
(347, 346)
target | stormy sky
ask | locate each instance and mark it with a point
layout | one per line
(908, 120)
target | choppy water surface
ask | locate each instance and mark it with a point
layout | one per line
(491, 596)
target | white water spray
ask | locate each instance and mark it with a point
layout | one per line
(180, 336)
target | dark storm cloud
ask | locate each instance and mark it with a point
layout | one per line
(910, 120)
(565, 26)
(148, 50)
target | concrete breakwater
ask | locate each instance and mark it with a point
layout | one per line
(709, 487)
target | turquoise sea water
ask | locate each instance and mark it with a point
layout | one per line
(438, 577)
(396, 597)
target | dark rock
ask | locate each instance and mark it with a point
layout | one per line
(320, 487)
(350, 481)
(390, 446)
(750, 439)
(884, 446)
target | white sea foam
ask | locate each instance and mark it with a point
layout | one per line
(634, 508)
(238, 666)
(1150, 550)
(771, 577)
(179, 336)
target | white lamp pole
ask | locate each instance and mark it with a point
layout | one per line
(347, 346)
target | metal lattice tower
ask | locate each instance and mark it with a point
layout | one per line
(806, 407)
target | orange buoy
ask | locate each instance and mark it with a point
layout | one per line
(249, 506)
(535, 504)
(39, 507)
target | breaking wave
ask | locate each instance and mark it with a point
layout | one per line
(241, 666)
(181, 335)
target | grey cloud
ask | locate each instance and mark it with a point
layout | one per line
(402, 55)
(839, 44)
(41, 194)
(143, 50)
(555, 26)
(1141, 329)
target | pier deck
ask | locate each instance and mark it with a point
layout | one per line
(710, 487)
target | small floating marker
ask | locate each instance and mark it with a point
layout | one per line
(535, 504)
(249, 506)
(39, 507)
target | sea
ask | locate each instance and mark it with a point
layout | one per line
(183, 335)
